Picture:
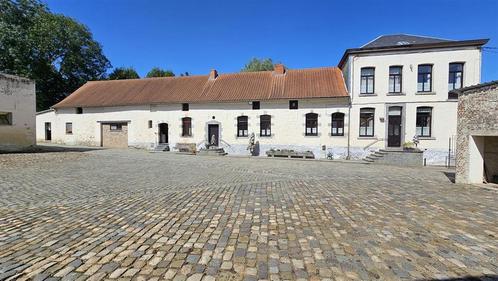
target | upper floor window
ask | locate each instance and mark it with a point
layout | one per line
(337, 124)
(293, 104)
(79, 110)
(242, 126)
(256, 105)
(186, 127)
(424, 119)
(367, 122)
(395, 79)
(455, 78)
(424, 80)
(69, 128)
(5, 118)
(185, 107)
(367, 81)
(311, 124)
(265, 125)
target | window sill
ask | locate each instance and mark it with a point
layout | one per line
(425, 93)
(261, 136)
(242, 137)
(330, 135)
(396, 94)
(368, 95)
(367, 138)
(426, 138)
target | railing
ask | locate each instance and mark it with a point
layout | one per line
(372, 143)
(451, 158)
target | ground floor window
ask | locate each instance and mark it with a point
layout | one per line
(242, 127)
(265, 125)
(337, 124)
(424, 119)
(69, 128)
(186, 127)
(367, 122)
(311, 124)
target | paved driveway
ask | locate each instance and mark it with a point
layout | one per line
(125, 214)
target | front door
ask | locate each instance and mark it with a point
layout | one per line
(48, 131)
(214, 134)
(163, 133)
(394, 127)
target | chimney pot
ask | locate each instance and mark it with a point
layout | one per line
(213, 74)
(279, 69)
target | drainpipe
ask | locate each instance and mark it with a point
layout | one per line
(351, 85)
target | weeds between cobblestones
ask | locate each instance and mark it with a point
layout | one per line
(123, 214)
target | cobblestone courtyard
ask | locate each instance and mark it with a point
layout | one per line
(125, 214)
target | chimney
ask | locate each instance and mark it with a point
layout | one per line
(279, 69)
(213, 74)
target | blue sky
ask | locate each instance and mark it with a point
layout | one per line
(196, 36)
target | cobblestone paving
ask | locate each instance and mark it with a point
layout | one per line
(133, 215)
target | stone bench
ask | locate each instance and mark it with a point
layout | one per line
(290, 154)
(186, 147)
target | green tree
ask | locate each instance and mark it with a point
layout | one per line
(123, 73)
(54, 50)
(256, 64)
(158, 72)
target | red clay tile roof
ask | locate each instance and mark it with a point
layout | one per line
(324, 82)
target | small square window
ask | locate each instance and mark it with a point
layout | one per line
(184, 106)
(116, 127)
(79, 110)
(256, 105)
(293, 104)
(69, 128)
(150, 124)
(5, 118)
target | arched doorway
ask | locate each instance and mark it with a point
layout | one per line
(163, 133)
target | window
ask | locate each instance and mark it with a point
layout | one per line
(256, 105)
(455, 79)
(367, 81)
(395, 79)
(186, 127)
(184, 106)
(367, 122)
(116, 127)
(424, 116)
(242, 126)
(150, 124)
(69, 128)
(293, 104)
(337, 124)
(79, 110)
(311, 124)
(265, 125)
(424, 80)
(5, 118)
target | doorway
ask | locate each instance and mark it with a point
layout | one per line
(48, 131)
(163, 133)
(394, 126)
(214, 134)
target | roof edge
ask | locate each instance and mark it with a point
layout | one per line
(438, 45)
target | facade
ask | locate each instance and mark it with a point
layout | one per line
(477, 156)
(382, 95)
(399, 87)
(289, 109)
(17, 113)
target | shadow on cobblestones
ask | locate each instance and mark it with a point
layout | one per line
(468, 278)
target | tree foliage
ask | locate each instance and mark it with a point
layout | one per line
(123, 73)
(256, 64)
(57, 52)
(158, 72)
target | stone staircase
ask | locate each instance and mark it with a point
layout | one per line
(396, 157)
(212, 151)
(161, 147)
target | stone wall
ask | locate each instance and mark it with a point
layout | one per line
(477, 116)
(18, 101)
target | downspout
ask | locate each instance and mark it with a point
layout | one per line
(351, 67)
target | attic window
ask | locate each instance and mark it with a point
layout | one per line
(256, 105)
(79, 110)
(184, 106)
(402, 43)
(293, 104)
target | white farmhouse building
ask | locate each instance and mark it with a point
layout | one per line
(399, 87)
(380, 96)
(17, 113)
